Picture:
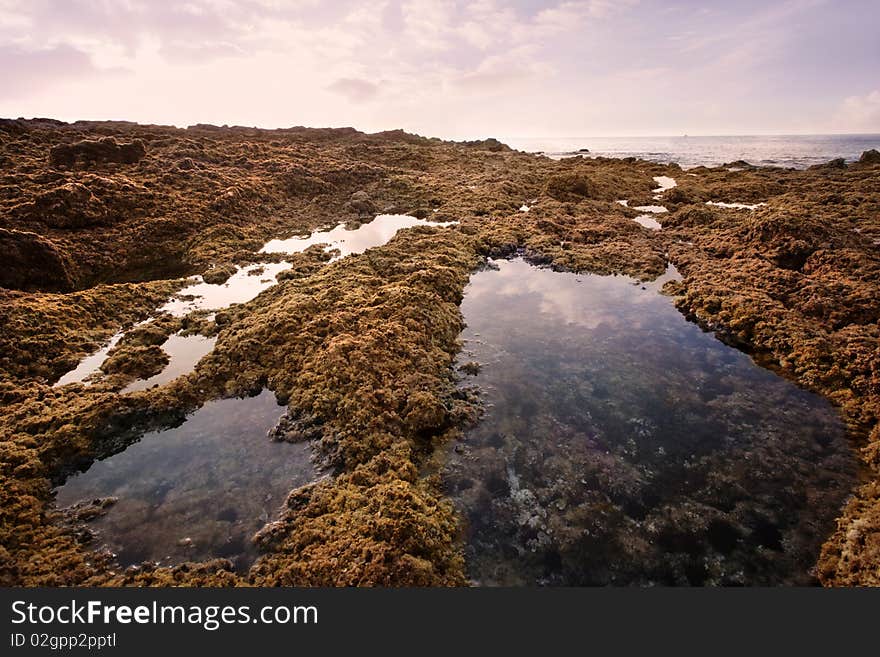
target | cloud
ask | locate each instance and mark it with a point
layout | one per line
(29, 71)
(198, 53)
(460, 68)
(859, 113)
(355, 89)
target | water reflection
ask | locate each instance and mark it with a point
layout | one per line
(623, 445)
(245, 284)
(375, 233)
(184, 352)
(197, 491)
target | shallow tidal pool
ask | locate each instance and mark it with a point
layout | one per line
(196, 491)
(621, 444)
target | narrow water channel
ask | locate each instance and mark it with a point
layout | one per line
(623, 445)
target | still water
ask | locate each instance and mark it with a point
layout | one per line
(196, 491)
(623, 445)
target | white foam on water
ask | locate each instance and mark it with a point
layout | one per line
(524, 208)
(623, 202)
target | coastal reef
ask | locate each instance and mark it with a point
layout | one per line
(102, 222)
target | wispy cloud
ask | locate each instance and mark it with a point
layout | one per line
(441, 66)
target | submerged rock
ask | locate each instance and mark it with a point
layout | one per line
(293, 428)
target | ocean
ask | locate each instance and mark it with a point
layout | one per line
(790, 151)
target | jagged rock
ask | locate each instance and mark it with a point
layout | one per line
(490, 144)
(91, 152)
(71, 205)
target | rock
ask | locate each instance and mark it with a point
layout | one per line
(136, 360)
(490, 144)
(836, 163)
(297, 429)
(219, 274)
(71, 205)
(361, 203)
(89, 510)
(676, 196)
(569, 186)
(691, 216)
(870, 157)
(32, 262)
(472, 368)
(424, 412)
(91, 152)
(583, 150)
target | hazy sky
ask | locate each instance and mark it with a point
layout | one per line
(451, 69)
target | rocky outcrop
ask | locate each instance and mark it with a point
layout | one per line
(836, 163)
(90, 152)
(870, 157)
(32, 262)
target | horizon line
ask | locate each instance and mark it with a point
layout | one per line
(465, 138)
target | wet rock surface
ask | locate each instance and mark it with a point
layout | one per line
(367, 343)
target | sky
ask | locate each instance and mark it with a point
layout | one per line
(468, 69)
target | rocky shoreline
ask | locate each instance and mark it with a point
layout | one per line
(100, 222)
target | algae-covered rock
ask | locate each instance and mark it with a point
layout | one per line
(364, 347)
(871, 156)
(33, 262)
(219, 274)
(569, 186)
(98, 151)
